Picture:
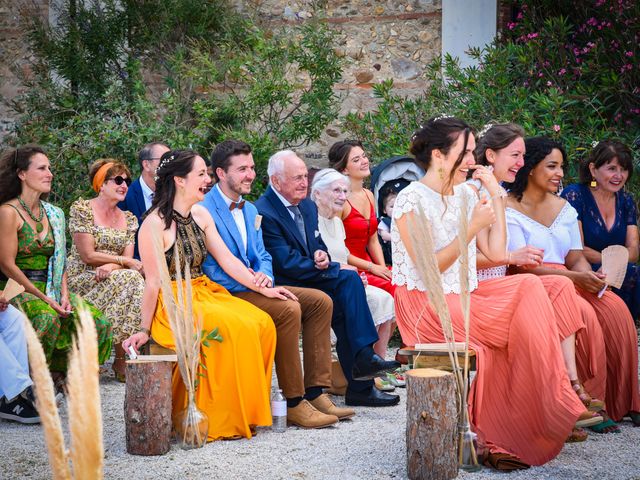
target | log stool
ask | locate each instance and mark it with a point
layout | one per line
(147, 404)
(432, 417)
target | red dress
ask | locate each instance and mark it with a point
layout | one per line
(358, 230)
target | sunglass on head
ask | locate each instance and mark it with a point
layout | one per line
(119, 180)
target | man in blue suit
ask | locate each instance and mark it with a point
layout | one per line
(238, 224)
(300, 258)
(140, 193)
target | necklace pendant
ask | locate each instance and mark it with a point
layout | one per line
(39, 227)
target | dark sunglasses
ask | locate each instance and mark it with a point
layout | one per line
(119, 180)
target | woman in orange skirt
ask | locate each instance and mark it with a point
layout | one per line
(235, 380)
(501, 148)
(536, 216)
(521, 403)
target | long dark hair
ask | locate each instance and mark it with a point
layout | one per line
(499, 136)
(537, 150)
(174, 163)
(604, 152)
(439, 134)
(339, 153)
(12, 162)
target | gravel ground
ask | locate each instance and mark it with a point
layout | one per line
(370, 446)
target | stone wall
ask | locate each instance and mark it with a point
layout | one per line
(378, 40)
(14, 52)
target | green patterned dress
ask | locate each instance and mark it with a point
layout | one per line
(55, 333)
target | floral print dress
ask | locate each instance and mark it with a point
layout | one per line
(119, 296)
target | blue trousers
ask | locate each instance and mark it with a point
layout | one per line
(14, 362)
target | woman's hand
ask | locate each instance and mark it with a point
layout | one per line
(527, 256)
(65, 304)
(483, 216)
(486, 177)
(103, 271)
(277, 292)
(590, 281)
(133, 264)
(3, 304)
(136, 340)
(62, 312)
(380, 271)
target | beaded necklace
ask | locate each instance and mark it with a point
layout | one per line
(38, 221)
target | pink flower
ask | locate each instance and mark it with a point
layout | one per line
(549, 83)
(511, 25)
(562, 71)
(556, 128)
(628, 54)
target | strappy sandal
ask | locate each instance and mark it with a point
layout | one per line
(383, 385)
(577, 435)
(396, 379)
(589, 419)
(593, 404)
(607, 426)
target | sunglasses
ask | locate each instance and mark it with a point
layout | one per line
(119, 180)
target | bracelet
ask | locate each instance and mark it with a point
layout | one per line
(145, 330)
(120, 261)
(370, 267)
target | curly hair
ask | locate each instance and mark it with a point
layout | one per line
(174, 163)
(604, 152)
(12, 162)
(496, 138)
(339, 153)
(538, 148)
(439, 134)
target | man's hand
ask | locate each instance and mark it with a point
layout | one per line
(321, 259)
(3, 304)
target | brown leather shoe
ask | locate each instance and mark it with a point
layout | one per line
(324, 404)
(305, 415)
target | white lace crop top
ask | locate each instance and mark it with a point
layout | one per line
(556, 240)
(444, 217)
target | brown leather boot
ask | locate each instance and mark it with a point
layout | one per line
(324, 404)
(119, 363)
(306, 416)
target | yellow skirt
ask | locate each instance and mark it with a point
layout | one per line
(235, 390)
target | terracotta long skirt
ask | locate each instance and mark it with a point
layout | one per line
(621, 346)
(521, 401)
(574, 315)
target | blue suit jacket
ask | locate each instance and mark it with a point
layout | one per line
(255, 257)
(134, 203)
(293, 259)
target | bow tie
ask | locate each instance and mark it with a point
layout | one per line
(238, 205)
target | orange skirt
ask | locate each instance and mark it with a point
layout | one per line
(621, 345)
(235, 389)
(521, 401)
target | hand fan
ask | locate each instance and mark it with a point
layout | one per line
(11, 290)
(614, 266)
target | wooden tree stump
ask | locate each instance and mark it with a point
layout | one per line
(432, 417)
(147, 404)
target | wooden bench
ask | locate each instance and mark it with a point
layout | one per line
(436, 355)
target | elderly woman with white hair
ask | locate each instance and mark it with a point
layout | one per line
(329, 192)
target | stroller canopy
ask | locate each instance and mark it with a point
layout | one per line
(396, 173)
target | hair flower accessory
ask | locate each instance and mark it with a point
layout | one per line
(485, 129)
(442, 117)
(166, 161)
(594, 144)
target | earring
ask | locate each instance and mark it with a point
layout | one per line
(593, 183)
(441, 173)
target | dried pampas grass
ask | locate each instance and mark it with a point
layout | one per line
(46, 405)
(85, 414)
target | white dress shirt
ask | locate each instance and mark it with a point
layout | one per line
(238, 216)
(147, 194)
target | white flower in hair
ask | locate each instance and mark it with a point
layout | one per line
(594, 143)
(485, 129)
(442, 117)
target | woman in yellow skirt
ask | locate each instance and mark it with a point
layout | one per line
(234, 391)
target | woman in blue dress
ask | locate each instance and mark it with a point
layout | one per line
(608, 215)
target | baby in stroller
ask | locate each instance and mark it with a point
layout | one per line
(388, 196)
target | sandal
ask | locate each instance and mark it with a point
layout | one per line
(383, 385)
(607, 426)
(634, 417)
(589, 419)
(593, 404)
(396, 379)
(504, 462)
(577, 435)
